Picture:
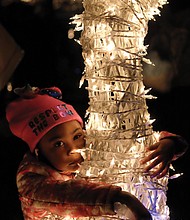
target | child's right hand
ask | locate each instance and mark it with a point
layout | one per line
(135, 210)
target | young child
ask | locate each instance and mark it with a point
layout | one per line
(46, 177)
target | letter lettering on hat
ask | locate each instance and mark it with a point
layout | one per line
(31, 124)
(48, 112)
(36, 120)
(42, 116)
(40, 127)
(70, 112)
(56, 117)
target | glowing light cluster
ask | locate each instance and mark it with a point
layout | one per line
(119, 126)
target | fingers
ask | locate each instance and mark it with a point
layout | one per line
(164, 172)
(153, 164)
(161, 154)
(150, 157)
(160, 171)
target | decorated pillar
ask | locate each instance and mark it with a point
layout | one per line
(118, 125)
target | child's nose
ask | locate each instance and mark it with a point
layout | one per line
(72, 148)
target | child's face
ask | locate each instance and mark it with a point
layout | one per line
(59, 143)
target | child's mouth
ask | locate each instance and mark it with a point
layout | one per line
(73, 163)
(78, 163)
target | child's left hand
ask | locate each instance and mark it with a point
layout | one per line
(160, 157)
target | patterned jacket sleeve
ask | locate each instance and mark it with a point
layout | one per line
(181, 144)
(73, 197)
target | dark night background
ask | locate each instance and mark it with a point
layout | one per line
(51, 59)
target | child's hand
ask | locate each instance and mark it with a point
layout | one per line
(160, 157)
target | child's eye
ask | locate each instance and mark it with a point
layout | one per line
(59, 144)
(77, 136)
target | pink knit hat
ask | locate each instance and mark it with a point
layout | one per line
(31, 116)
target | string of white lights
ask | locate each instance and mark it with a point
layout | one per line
(118, 123)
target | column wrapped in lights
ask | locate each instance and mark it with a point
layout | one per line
(118, 123)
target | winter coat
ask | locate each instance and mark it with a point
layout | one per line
(46, 193)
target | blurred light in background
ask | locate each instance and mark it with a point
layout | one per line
(71, 33)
